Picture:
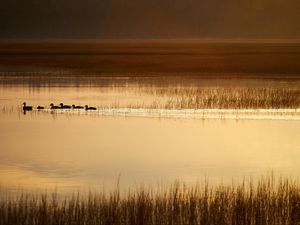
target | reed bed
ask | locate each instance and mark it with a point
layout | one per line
(224, 98)
(197, 97)
(263, 202)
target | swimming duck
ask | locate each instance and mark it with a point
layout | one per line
(62, 106)
(77, 107)
(26, 107)
(89, 108)
(54, 106)
(40, 107)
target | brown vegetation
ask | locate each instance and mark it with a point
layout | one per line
(225, 98)
(195, 97)
(267, 202)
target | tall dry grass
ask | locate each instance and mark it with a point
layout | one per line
(197, 97)
(265, 202)
(223, 98)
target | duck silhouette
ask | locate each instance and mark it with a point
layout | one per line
(40, 107)
(62, 106)
(89, 108)
(26, 107)
(52, 106)
(77, 107)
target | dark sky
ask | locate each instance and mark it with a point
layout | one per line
(150, 19)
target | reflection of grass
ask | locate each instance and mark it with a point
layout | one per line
(226, 98)
(266, 202)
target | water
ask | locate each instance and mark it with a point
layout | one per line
(80, 150)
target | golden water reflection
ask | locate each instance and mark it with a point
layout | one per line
(44, 150)
(88, 151)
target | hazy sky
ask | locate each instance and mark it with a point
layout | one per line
(150, 19)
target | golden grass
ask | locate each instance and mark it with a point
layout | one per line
(229, 98)
(265, 202)
(181, 97)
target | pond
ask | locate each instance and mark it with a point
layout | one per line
(72, 150)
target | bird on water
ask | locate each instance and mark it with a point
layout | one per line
(26, 107)
(52, 106)
(62, 106)
(89, 108)
(40, 107)
(77, 107)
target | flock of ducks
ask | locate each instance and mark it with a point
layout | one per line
(60, 106)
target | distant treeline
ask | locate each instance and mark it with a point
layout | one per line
(150, 19)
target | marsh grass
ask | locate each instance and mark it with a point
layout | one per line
(197, 97)
(225, 98)
(262, 202)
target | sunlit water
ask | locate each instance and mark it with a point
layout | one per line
(81, 150)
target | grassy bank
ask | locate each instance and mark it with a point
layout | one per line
(265, 202)
(252, 59)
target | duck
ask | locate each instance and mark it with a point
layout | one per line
(62, 106)
(89, 108)
(52, 106)
(77, 107)
(26, 107)
(40, 107)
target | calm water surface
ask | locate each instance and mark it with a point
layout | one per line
(73, 151)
